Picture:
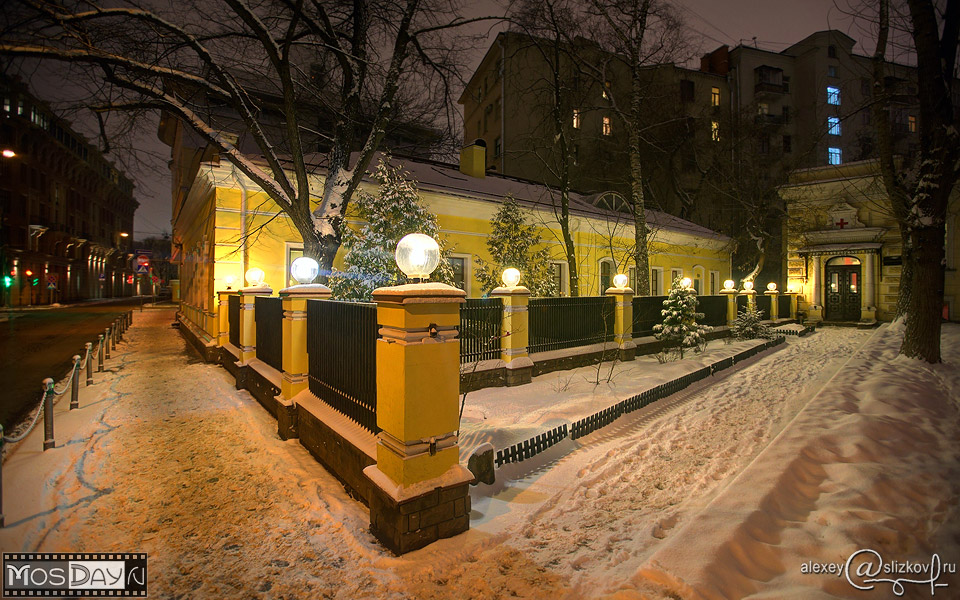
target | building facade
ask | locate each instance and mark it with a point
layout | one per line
(66, 213)
(843, 245)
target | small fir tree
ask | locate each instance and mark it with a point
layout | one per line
(748, 326)
(680, 327)
(511, 244)
(395, 211)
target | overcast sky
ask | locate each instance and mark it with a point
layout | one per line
(775, 24)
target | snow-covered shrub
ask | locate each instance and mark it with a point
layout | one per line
(680, 328)
(748, 326)
(512, 243)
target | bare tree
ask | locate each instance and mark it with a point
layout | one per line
(278, 78)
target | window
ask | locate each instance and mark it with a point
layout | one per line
(763, 144)
(459, 266)
(833, 125)
(606, 275)
(293, 253)
(607, 89)
(786, 114)
(714, 282)
(558, 271)
(576, 154)
(833, 95)
(607, 127)
(831, 71)
(656, 274)
(576, 118)
(633, 279)
(832, 51)
(786, 84)
(675, 273)
(715, 96)
(496, 147)
(686, 90)
(6, 104)
(698, 285)
(715, 131)
(787, 144)
(834, 156)
(763, 108)
(912, 124)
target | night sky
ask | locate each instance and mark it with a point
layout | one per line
(776, 24)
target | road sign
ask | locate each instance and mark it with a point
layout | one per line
(143, 269)
(143, 259)
(52, 279)
(145, 252)
(102, 277)
(52, 286)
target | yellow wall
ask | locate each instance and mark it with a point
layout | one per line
(232, 229)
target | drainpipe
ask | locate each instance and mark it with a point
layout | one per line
(238, 177)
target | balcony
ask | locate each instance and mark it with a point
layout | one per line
(770, 120)
(768, 88)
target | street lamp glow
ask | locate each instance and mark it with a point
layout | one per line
(620, 281)
(418, 255)
(772, 286)
(124, 234)
(229, 279)
(8, 153)
(510, 277)
(305, 270)
(791, 288)
(254, 277)
(685, 282)
(748, 285)
(728, 284)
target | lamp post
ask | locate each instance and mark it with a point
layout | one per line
(729, 290)
(419, 489)
(623, 317)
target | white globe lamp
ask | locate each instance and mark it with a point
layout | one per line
(748, 285)
(418, 255)
(728, 284)
(254, 277)
(685, 282)
(229, 280)
(510, 277)
(304, 270)
(620, 281)
(772, 287)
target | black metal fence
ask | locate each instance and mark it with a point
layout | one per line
(646, 314)
(741, 303)
(714, 309)
(783, 306)
(763, 304)
(557, 323)
(269, 318)
(480, 320)
(233, 319)
(342, 349)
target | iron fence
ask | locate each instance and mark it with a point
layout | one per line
(342, 349)
(480, 320)
(714, 309)
(233, 319)
(763, 304)
(268, 313)
(742, 303)
(646, 314)
(783, 306)
(557, 323)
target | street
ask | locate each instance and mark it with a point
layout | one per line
(41, 343)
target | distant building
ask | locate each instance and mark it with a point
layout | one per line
(66, 213)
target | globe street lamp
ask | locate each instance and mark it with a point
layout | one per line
(510, 277)
(417, 255)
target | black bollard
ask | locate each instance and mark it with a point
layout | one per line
(48, 441)
(89, 363)
(75, 383)
(100, 353)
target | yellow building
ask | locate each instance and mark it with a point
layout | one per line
(843, 245)
(224, 224)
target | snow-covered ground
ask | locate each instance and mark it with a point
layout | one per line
(825, 446)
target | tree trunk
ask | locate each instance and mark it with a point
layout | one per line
(921, 337)
(904, 291)
(569, 248)
(641, 256)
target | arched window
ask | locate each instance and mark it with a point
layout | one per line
(837, 261)
(698, 275)
(606, 275)
(612, 201)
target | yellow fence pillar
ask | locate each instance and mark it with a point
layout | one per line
(751, 295)
(623, 322)
(248, 323)
(420, 490)
(296, 366)
(774, 308)
(793, 304)
(223, 316)
(731, 295)
(515, 334)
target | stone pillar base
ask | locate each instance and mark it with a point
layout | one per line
(519, 371)
(628, 351)
(406, 519)
(286, 419)
(868, 314)
(814, 314)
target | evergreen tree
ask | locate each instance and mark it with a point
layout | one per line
(748, 326)
(395, 211)
(679, 327)
(511, 244)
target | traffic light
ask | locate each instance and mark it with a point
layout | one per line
(36, 281)
(7, 281)
(28, 272)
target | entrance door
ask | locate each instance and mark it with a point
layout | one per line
(843, 289)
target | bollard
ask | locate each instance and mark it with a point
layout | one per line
(48, 441)
(1, 475)
(106, 343)
(113, 336)
(89, 363)
(75, 383)
(100, 353)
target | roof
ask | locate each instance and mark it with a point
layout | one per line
(447, 178)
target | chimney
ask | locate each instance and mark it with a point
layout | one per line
(473, 159)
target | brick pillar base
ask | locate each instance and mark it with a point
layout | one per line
(287, 419)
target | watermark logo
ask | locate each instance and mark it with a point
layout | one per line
(117, 575)
(866, 570)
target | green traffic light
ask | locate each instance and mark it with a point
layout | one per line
(36, 281)
(7, 281)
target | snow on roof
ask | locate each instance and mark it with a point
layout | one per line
(446, 177)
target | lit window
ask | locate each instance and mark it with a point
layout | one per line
(607, 86)
(833, 95)
(831, 71)
(833, 125)
(763, 108)
(834, 156)
(715, 131)
(576, 118)
(912, 123)
(607, 127)
(715, 96)
(6, 105)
